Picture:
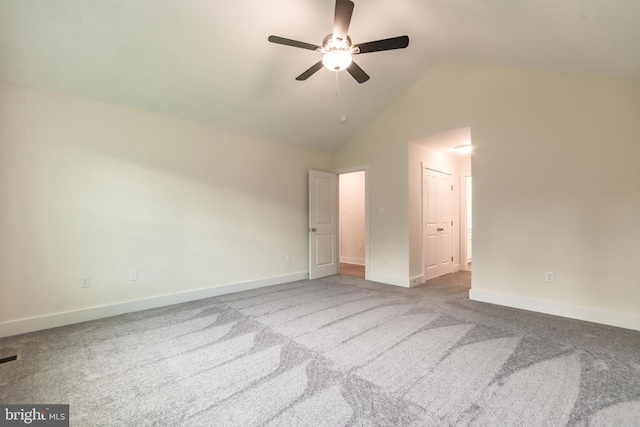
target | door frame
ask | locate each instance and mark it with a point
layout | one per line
(365, 169)
(463, 220)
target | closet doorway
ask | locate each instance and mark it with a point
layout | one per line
(352, 220)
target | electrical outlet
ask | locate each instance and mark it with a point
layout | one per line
(549, 276)
(85, 282)
(288, 257)
(133, 275)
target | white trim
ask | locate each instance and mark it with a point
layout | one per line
(22, 326)
(389, 280)
(464, 231)
(423, 250)
(351, 260)
(352, 169)
(621, 320)
(415, 281)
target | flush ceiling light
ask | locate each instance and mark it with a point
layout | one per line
(464, 149)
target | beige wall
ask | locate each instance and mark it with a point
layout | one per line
(94, 189)
(556, 184)
(387, 173)
(352, 217)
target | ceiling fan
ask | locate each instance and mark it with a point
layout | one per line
(337, 47)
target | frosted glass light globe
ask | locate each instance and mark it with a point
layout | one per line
(337, 60)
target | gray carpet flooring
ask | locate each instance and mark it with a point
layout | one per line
(337, 351)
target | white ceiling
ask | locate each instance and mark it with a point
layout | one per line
(210, 60)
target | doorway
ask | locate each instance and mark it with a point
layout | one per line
(352, 214)
(431, 253)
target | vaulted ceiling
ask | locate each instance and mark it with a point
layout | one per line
(210, 60)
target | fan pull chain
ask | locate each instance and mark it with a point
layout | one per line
(337, 99)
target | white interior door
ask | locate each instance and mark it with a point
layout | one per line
(323, 224)
(437, 216)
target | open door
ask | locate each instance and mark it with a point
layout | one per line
(323, 224)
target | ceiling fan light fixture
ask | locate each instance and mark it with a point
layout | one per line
(337, 48)
(337, 60)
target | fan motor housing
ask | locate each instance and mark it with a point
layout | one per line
(329, 43)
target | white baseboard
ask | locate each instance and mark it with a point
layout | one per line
(352, 260)
(22, 326)
(416, 280)
(611, 318)
(389, 280)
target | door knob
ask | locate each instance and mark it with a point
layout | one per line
(440, 229)
(312, 229)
